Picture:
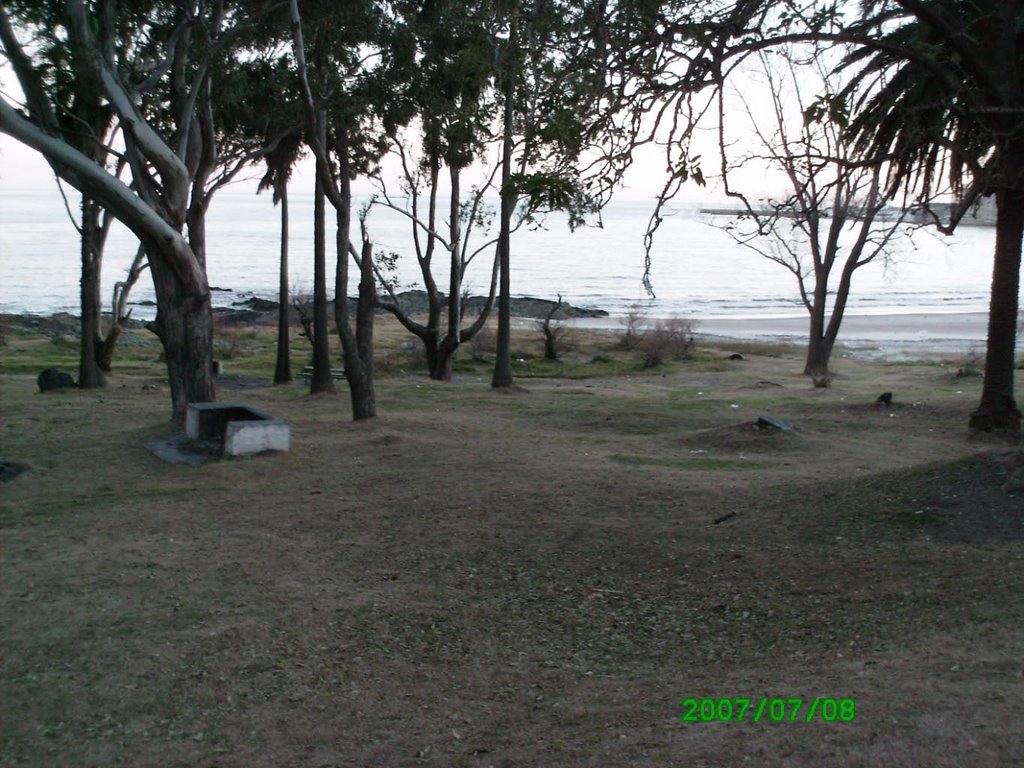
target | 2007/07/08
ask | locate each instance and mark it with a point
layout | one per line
(774, 710)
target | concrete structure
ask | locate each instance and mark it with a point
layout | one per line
(234, 429)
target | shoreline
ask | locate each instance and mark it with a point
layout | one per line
(893, 337)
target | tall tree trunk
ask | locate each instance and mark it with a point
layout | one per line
(89, 374)
(451, 341)
(283, 369)
(184, 323)
(321, 380)
(357, 347)
(817, 355)
(503, 353)
(998, 408)
(364, 398)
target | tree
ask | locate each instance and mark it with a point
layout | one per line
(161, 92)
(119, 312)
(832, 214)
(951, 103)
(280, 163)
(440, 334)
(554, 331)
(560, 149)
(936, 96)
(346, 114)
(86, 123)
(449, 87)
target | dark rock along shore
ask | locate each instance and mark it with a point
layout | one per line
(254, 309)
(258, 310)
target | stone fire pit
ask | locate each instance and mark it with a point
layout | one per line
(234, 429)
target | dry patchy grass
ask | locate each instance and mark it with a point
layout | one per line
(513, 579)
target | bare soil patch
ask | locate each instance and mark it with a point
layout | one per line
(475, 579)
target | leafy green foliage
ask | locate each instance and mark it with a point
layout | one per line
(828, 107)
(544, 191)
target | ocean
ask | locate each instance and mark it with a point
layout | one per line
(698, 270)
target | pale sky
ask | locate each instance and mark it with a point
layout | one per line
(22, 168)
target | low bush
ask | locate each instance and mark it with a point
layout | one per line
(670, 339)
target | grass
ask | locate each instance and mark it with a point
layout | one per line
(524, 578)
(691, 463)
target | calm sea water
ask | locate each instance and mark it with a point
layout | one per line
(698, 270)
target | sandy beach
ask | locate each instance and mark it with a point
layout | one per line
(886, 336)
(910, 336)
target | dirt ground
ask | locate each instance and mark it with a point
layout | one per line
(534, 578)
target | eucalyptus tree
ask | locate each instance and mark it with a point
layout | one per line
(449, 85)
(561, 149)
(344, 55)
(160, 85)
(86, 123)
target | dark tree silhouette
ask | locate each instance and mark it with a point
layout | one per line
(951, 105)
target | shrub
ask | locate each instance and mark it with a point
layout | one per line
(558, 337)
(232, 343)
(670, 339)
(635, 322)
(971, 365)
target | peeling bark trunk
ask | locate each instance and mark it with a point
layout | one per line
(356, 347)
(89, 374)
(184, 323)
(998, 407)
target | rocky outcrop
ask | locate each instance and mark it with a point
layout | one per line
(415, 302)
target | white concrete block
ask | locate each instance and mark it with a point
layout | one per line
(242, 438)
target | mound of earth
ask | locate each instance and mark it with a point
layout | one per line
(748, 437)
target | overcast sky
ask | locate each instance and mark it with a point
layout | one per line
(22, 168)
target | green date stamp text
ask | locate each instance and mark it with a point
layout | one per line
(770, 709)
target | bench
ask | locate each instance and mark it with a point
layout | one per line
(336, 373)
